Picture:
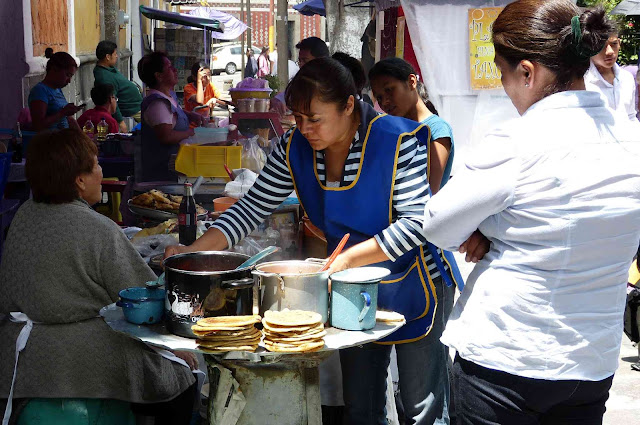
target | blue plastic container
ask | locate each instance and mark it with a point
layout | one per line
(142, 305)
(5, 168)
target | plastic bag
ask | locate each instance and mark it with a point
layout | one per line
(253, 157)
(154, 244)
(241, 184)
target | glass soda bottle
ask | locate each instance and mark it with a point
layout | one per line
(89, 129)
(187, 217)
(103, 129)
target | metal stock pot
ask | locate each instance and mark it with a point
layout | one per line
(205, 284)
(296, 285)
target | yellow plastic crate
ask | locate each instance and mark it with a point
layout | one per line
(208, 161)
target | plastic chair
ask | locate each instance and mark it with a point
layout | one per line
(76, 411)
(114, 188)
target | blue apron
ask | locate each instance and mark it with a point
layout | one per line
(155, 156)
(364, 209)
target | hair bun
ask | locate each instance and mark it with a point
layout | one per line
(596, 29)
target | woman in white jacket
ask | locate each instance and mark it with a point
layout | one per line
(538, 326)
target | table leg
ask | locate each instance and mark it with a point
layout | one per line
(285, 393)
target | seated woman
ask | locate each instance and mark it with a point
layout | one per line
(164, 123)
(62, 262)
(47, 104)
(200, 90)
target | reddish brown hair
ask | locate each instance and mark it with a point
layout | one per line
(54, 160)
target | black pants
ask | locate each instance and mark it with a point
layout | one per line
(490, 397)
(177, 411)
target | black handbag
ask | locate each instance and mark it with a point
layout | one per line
(632, 316)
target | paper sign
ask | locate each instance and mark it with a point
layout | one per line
(484, 73)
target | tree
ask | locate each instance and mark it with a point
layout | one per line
(628, 26)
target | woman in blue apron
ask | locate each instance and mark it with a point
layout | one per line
(361, 173)
(164, 123)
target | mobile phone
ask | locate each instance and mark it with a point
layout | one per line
(81, 106)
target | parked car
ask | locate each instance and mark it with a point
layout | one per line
(228, 58)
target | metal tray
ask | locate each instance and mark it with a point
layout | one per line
(157, 214)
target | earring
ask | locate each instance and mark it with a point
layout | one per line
(526, 84)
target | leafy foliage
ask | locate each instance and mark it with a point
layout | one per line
(629, 30)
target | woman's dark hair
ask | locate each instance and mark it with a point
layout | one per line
(61, 60)
(54, 159)
(48, 52)
(101, 94)
(355, 67)
(323, 78)
(104, 48)
(148, 66)
(401, 70)
(194, 71)
(265, 49)
(541, 32)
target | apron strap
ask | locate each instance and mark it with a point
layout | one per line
(436, 257)
(21, 342)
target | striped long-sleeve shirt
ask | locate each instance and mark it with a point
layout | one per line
(411, 192)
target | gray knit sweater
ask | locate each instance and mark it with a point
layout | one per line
(61, 264)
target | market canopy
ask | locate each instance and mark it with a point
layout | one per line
(233, 27)
(311, 7)
(627, 7)
(181, 19)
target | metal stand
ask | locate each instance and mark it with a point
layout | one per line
(283, 390)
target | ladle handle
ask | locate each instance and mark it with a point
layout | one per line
(336, 252)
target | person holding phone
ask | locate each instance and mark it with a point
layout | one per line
(47, 104)
(200, 92)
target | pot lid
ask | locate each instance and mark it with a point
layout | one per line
(361, 275)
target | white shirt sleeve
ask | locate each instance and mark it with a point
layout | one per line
(483, 188)
(159, 113)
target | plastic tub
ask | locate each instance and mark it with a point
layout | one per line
(262, 105)
(211, 135)
(249, 93)
(221, 204)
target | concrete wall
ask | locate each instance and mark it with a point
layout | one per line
(12, 61)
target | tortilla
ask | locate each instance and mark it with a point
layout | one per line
(388, 316)
(292, 318)
(289, 348)
(292, 329)
(215, 349)
(294, 337)
(214, 322)
(236, 334)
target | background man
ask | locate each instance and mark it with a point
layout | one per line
(128, 94)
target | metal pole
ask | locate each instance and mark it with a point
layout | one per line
(249, 41)
(243, 49)
(271, 29)
(282, 39)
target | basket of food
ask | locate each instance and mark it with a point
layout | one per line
(157, 205)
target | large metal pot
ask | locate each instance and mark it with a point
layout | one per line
(296, 285)
(205, 284)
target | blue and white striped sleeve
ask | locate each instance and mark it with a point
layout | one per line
(410, 195)
(273, 185)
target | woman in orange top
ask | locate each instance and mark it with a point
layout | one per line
(200, 90)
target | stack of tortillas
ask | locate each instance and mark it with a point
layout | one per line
(294, 331)
(227, 333)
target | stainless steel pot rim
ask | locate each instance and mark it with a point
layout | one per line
(360, 275)
(259, 272)
(206, 273)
